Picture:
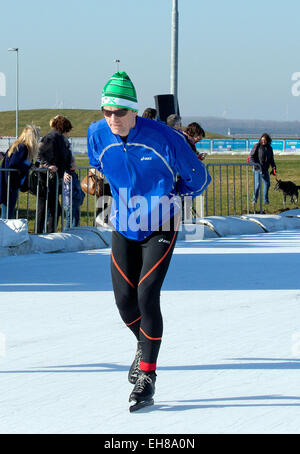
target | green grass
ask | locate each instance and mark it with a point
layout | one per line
(213, 135)
(80, 119)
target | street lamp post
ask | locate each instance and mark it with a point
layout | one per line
(118, 64)
(174, 54)
(16, 49)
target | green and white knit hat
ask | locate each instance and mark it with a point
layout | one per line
(119, 92)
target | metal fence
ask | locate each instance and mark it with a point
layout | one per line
(46, 187)
(230, 193)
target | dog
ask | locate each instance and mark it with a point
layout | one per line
(288, 188)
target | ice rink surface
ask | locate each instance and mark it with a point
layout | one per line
(229, 361)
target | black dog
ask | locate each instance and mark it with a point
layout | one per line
(288, 188)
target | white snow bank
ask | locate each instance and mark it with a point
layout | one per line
(77, 239)
(13, 232)
(196, 232)
(274, 223)
(251, 224)
(295, 213)
(14, 238)
(230, 225)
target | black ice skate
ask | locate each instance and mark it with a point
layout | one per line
(143, 391)
(135, 366)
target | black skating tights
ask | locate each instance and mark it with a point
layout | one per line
(138, 270)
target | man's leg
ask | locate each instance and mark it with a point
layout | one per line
(157, 253)
(138, 271)
(126, 262)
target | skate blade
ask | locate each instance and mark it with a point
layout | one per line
(139, 405)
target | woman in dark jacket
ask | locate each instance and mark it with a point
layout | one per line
(55, 156)
(19, 159)
(262, 154)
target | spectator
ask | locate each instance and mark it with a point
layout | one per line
(262, 154)
(174, 121)
(194, 134)
(73, 197)
(55, 156)
(19, 156)
(150, 113)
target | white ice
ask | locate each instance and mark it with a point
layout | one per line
(229, 361)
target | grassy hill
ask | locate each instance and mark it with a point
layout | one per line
(80, 119)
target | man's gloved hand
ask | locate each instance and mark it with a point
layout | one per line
(273, 171)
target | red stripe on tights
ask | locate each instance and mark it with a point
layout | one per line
(147, 367)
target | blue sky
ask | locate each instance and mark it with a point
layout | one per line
(236, 58)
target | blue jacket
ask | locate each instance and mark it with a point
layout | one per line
(143, 174)
(18, 160)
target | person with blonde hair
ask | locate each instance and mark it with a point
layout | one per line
(19, 157)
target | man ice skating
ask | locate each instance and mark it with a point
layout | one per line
(141, 159)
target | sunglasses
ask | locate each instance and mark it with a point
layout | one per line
(118, 113)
